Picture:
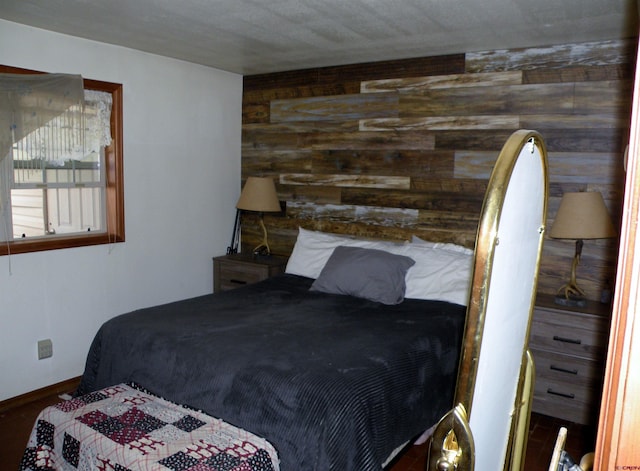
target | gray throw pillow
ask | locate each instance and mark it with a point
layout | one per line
(365, 273)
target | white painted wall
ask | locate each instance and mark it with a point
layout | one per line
(182, 138)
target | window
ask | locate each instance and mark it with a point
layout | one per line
(53, 202)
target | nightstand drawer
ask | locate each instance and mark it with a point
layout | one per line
(233, 275)
(566, 401)
(575, 371)
(569, 333)
(568, 345)
(236, 270)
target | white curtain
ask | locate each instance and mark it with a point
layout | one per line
(97, 120)
(47, 118)
(29, 102)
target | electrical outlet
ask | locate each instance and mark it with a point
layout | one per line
(45, 349)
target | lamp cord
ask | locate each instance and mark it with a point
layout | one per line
(233, 246)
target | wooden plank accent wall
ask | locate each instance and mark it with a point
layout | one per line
(396, 148)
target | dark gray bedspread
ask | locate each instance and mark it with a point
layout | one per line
(333, 382)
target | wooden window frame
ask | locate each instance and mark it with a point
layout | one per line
(114, 184)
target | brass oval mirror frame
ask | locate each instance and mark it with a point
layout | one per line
(486, 241)
(485, 244)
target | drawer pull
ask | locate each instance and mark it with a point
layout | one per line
(563, 370)
(556, 393)
(237, 282)
(566, 340)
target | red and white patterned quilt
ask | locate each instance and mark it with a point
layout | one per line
(124, 427)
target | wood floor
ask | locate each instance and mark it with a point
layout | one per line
(16, 423)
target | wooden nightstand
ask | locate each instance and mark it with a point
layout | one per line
(569, 348)
(233, 271)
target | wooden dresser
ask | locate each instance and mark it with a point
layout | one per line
(233, 271)
(569, 348)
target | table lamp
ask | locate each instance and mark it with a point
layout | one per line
(259, 195)
(581, 215)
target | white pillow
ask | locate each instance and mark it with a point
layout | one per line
(438, 273)
(442, 271)
(313, 248)
(441, 245)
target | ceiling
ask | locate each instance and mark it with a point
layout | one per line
(261, 36)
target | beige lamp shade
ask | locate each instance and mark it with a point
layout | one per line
(582, 215)
(259, 194)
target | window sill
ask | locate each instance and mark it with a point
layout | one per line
(57, 242)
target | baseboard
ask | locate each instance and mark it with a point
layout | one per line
(66, 386)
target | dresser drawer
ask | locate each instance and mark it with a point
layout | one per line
(569, 333)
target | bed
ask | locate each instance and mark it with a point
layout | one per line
(358, 349)
(333, 381)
